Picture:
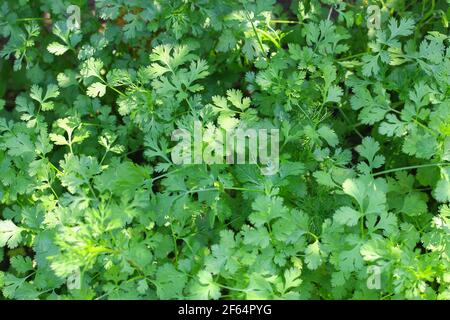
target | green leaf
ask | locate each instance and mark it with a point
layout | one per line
(313, 256)
(334, 94)
(96, 89)
(373, 107)
(368, 149)
(356, 189)
(142, 286)
(91, 68)
(236, 98)
(370, 65)
(404, 28)
(266, 209)
(57, 49)
(347, 216)
(22, 264)
(58, 139)
(442, 191)
(10, 234)
(329, 135)
(414, 204)
(18, 145)
(206, 288)
(170, 282)
(256, 237)
(292, 278)
(51, 93)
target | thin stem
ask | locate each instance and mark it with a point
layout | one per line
(104, 156)
(92, 191)
(54, 167)
(356, 55)
(361, 226)
(434, 133)
(350, 123)
(427, 15)
(286, 21)
(119, 92)
(53, 190)
(254, 30)
(92, 124)
(444, 164)
(111, 87)
(330, 12)
(69, 134)
(32, 19)
(243, 189)
(235, 289)
(166, 174)
(268, 36)
(316, 238)
(175, 247)
(51, 165)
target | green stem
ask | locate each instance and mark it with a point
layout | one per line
(268, 36)
(119, 92)
(53, 191)
(234, 289)
(175, 247)
(104, 156)
(350, 123)
(32, 19)
(361, 226)
(254, 30)
(352, 56)
(434, 133)
(316, 238)
(111, 87)
(444, 164)
(243, 189)
(427, 15)
(54, 167)
(286, 21)
(92, 191)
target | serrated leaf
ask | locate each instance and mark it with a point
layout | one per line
(10, 234)
(57, 49)
(347, 216)
(313, 257)
(442, 191)
(96, 89)
(22, 264)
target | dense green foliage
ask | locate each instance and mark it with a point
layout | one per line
(92, 207)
